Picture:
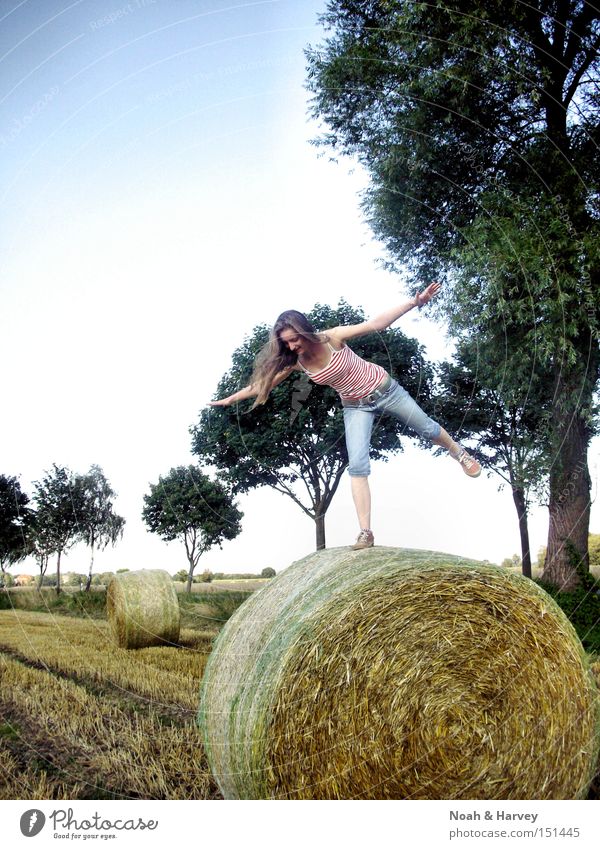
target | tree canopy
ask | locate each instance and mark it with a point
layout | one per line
(186, 504)
(55, 526)
(295, 442)
(487, 396)
(98, 524)
(15, 520)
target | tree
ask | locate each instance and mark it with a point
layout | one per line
(103, 578)
(41, 544)
(297, 437)
(98, 524)
(74, 579)
(268, 572)
(478, 124)
(56, 524)
(205, 578)
(182, 575)
(511, 562)
(503, 407)
(187, 505)
(15, 519)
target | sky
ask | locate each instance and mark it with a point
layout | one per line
(161, 198)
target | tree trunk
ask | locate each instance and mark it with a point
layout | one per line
(320, 528)
(569, 499)
(521, 505)
(188, 586)
(43, 563)
(58, 573)
(88, 583)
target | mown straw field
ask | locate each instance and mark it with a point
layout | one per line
(82, 719)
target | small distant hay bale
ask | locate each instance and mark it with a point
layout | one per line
(142, 609)
(397, 674)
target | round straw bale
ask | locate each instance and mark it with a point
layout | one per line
(142, 609)
(396, 674)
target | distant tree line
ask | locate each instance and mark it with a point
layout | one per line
(207, 576)
(69, 508)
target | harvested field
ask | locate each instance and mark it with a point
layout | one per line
(81, 719)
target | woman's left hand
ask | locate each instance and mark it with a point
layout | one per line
(427, 294)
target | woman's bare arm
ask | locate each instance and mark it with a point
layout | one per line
(249, 391)
(385, 319)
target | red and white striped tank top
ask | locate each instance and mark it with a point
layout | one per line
(348, 374)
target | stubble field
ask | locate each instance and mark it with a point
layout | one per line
(81, 719)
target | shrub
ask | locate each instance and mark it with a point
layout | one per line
(206, 577)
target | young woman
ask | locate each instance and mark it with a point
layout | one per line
(365, 390)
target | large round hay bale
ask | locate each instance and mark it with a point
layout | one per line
(142, 609)
(397, 674)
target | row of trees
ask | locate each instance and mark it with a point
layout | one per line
(478, 125)
(208, 577)
(66, 508)
(69, 508)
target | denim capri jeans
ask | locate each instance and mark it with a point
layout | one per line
(358, 423)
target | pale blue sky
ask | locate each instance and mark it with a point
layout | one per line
(160, 199)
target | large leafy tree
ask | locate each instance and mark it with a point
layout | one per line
(478, 124)
(503, 408)
(186, 504)
(15, 519)
(55, 527)
(295, 442)
(98, 523)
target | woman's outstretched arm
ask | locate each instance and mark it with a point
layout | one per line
(387, 318)
(250, 391)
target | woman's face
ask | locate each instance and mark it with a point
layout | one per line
(292, 340)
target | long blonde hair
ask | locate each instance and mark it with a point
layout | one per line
(275, 356)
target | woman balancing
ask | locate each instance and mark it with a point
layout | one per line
(365, 389)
